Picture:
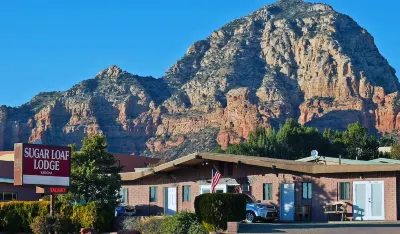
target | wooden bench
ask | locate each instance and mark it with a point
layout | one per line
(337, 208)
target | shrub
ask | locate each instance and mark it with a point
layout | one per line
(92, 215)
(52, 224)
(148, 225)
(215, 210)
(17, 216)
(395, 152)
(183, 223)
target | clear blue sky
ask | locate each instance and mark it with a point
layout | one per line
(48, 45)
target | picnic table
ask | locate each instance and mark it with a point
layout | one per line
(337, 208)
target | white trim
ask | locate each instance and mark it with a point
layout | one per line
(368, 205)
(222, 187)
(45, 180)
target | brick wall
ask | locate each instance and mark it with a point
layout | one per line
(324, 187)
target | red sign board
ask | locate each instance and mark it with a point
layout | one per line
(42, 165)
(51, 190)
(58, 190)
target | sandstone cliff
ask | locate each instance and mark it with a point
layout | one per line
(290, 59)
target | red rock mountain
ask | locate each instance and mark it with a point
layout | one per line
(290, 59)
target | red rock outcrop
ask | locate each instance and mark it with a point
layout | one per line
(286, 60)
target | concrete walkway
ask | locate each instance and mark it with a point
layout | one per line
(323, 228)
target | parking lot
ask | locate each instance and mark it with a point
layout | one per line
(322, 228)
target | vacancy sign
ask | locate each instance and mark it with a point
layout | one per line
(42, 165)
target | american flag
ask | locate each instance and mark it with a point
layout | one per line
(216, 176)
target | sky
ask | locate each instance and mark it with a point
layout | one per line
(48, 45)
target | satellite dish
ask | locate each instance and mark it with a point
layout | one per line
(314, 154)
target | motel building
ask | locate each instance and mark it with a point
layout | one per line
(299, 189)
(10, 192)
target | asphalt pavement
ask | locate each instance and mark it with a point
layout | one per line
(322, 228)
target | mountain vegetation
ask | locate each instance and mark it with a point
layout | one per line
(293, 141)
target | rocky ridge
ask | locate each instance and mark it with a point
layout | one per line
(291, 59)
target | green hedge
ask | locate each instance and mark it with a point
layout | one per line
(215, 210)
(18, 216)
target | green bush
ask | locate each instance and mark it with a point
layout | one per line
(147, 225)
(17, 216)
(52, 224)
(215, 210)
(92, 215)
(183, 223)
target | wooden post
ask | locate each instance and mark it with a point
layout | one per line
(51, 204)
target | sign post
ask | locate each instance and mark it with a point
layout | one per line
(52, 204)
(43, 165)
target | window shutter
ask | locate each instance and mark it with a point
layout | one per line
(189, 193)
(155, 194)
(309, 190)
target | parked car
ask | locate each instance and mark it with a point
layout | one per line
(255, 210)
(125, 210)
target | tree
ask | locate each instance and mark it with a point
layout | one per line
(359, 145)
(94, 176)
(294, 141)
(395, 152)
(389, 139)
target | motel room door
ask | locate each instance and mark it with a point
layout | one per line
(170, 201)
(287, 202)
(368, 200)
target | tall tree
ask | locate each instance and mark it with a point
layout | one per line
(359, 145)
(94, 175)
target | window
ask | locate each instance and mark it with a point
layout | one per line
(267, 192)
(153, 194)
(307, 190)
(221, 168)
(187, 193)
(123, 192)
(245, 188)
(344, 190)
(8, 196)
(230, 169)
(205, 191)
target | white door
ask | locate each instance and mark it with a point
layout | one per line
(171, 204)
(287, 202)
(368, 200)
